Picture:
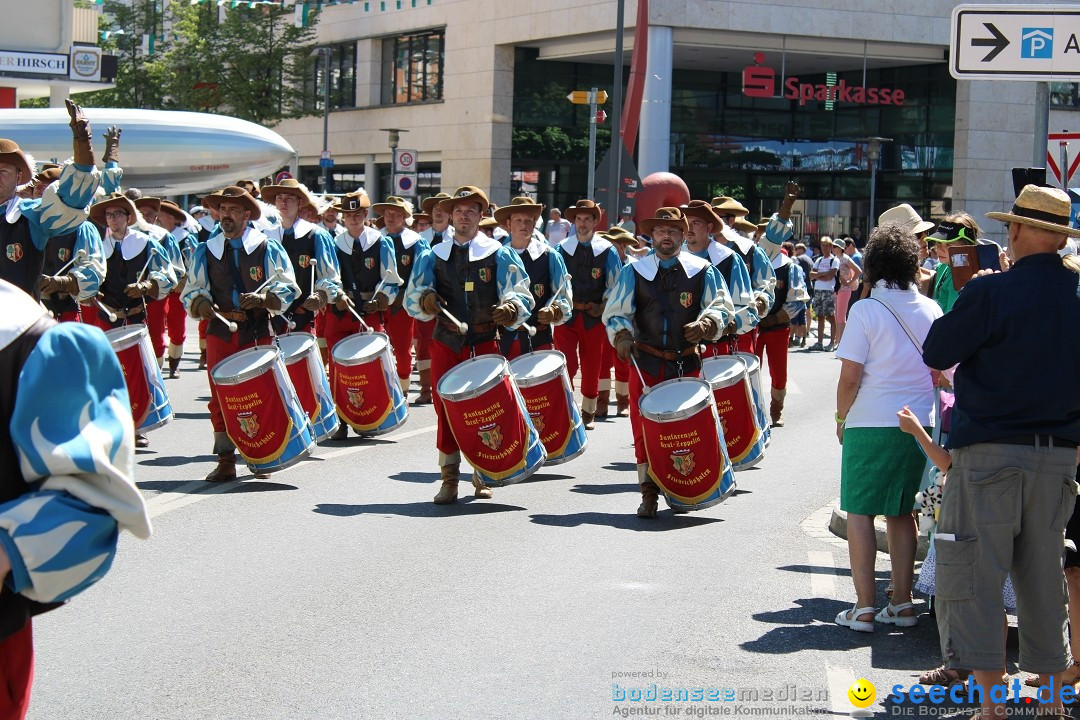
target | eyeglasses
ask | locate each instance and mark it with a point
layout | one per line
(116, 214)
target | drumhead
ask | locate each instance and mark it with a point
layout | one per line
(723, 371)
(537, 366)
(294, 345)
(676, 398)
(360, 348)
(124, 337)
(472, 377)
(753, 365)
(244, 365)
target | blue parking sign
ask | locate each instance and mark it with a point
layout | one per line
(1037, 43)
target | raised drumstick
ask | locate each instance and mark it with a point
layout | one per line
(109, 313)
(228, 323)
(79, 256)
(462, 327)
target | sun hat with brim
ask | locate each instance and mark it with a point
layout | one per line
(432, 201)
(288, 186)
(487, 223)
(392, 201)
(465, 194)
(417, 217)
(905, 216)
(524, 205)
(154, 203)
(703, 210)
(950, 232)
(620, 236)
(352, 202)
(582, 206)
(667, 217)
(725, 205)
(744, 226)
(48, 175)
(235, 194)
(12, 155)
(1041, 207)
(248, 181)
(116, 200)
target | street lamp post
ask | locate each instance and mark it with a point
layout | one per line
(393, 139)
(873, 154)
(326, 119)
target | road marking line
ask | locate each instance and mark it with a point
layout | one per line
(840, 679)
(823, 581)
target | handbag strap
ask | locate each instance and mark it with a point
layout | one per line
(904, 325)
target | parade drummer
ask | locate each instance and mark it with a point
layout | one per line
(762, 278)
(246, 277)
(369, 277)
(775, 327)
(625, 243)
(440, 230)
(661, 308)
(304, 241)
(172, 220)
(408, 246)
(704, 227)
(156, 310)
(593, 264)
(28, 224)
(779, 228)
(547, 278)
(482, 284)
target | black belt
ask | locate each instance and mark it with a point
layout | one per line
(1036, 440)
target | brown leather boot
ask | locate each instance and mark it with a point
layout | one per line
(225, 470)
(587, 419)
(448, 490)
(776, 407)
(174, 366)
(424, 397)
(342, 431)
(622, 405)
(602, 402)
(202, 359)
(650, 493)
(481, 489)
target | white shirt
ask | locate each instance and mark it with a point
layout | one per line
(557, 231)
(825, 263)
(894, 374)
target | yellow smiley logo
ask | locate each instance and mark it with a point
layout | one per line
(862, 693)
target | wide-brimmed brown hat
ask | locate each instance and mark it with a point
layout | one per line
(417, 217)
(519, 205)
(465, 194)
(248, 181)
(154, 203)
(393, 201)
(235, 194)
(12, 155)
(432, 201)
(168, 206)
(703, 210)
(745, 226)
(725, 205)
(488, 223)
(666, 216)
(1041, 207)
(620, 236)
(49, 175)
(905, 216)
(353, 202)
(98, 209)
(582, 206)
(288, 186)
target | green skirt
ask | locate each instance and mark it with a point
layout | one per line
(880, 471)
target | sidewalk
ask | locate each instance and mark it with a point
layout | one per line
(838, 527)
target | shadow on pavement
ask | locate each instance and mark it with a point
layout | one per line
(192, 415)
(425, 509)
(416, 477)
(621, 466)
(175, 460)
(541, 477)
(822, 570)
(247, 486)
(354, 439)
(163, 485)
(663, 522)
(610, 489)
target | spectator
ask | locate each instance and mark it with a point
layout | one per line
(850, 274)
(1013, 447)
(558, 229)
(823, 300)
(801, 323)
(958, 228)
(881, 468)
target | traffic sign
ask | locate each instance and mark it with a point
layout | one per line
(1015, 42)
(1053, 153)
(601, 116)
(405, 161)
(326, 162)
(586, 97)
(325, 155)
(405, 184)
(283, 175)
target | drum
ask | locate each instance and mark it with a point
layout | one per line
(753, 371)
(300, 352)
(686, 452)
(150, 407)
(541, 377)
(263, 416)
(489, 420)
(735, 406)
(364, 382)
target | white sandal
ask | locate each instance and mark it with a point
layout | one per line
(890, 615)
(850, 618)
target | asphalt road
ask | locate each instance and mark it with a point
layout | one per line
(336, 589)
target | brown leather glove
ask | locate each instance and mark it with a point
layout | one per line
(505, 314)
(53, 284)
(377, 304)
(430, 302)
(315, 301)
(624, 344)
(141, 289)
(762, 305)
(730, 328)
(595, 309)
(112, 145)
(699, 330)
(202, 308)
(255, 301)
(343, 302)
(81, 135)
(549, 315)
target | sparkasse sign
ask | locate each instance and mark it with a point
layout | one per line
(760, 81)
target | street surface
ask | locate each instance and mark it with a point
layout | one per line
(336, 589)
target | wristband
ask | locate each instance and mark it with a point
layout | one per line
(839, 420)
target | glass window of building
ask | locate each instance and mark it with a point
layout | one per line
(412, 68)
(342, 68)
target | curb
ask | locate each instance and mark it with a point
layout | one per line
(838, 527)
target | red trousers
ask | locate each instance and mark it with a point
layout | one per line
(609, 360)
(515, 349)
(176, 320)
(203, 324)
(335, 329)
(747, 342)
(775, 342)
(635, 414)
(422, 332)
(399, 326)
(443, 360)
(72, 316)
(16, 673)
(584, 348)
(155, 323)
(216, 351)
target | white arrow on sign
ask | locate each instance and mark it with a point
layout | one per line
(1015, 42)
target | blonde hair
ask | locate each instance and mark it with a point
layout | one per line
(1072, 262)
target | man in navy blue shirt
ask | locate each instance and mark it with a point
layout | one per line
(1015, 430)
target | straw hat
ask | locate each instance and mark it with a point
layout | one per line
(1041, 207)
(725, 205)
(288, 186)
(465, 194)
(620, 236)
(905, 216)
(582, 206)
(393, 201)
(518, 205)
(238, 195)
(98, 209)
(666, 216)
(432, 201)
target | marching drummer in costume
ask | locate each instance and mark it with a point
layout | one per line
(779, 228)
(440, 230)
(304, 242)
(369, 277)
(593, 264)
(761, 273)
(244, 276)
(482, 284)
(181, 250)
(408, 246)
(547, 278)
(148, 208)
(623, 240)
(662, 306)
(775, 327)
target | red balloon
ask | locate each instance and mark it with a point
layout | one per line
(662, 189)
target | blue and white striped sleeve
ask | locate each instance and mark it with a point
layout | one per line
(620, 308)
(422, 281)
(797, 296)
(514, 283)
(777, 232)
(111, 177)
(392, 283)
(159, 269)
(764, 278)
(742, 296)
(78, 453)
(327, 270)
(561, 280)
(63, 205)
(176, 258)
(277, 263)
(198, 280)
(715, 294)
(613, 265)
(89, 272)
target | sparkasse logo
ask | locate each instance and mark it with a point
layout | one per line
(759, 81)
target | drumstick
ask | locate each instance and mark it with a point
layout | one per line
(277, 275)
(228, 323)
(557, 294)
(644, 388)
(109, 313)
(311, 264)
(78, 257)
(529, 329)
(462, 327)
(708, 307)
(357, 316)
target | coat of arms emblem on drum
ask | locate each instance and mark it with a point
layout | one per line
(356, 398)
(683, 461)
(491, 435)
(249, 424)
(537, 421)
(14, 252)
(686, 299)
(256, 274)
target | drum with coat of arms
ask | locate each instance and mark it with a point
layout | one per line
(300, 352)
(150, 406)
(364, 383)
(541, 377)
(753, 370)
(739, 422)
